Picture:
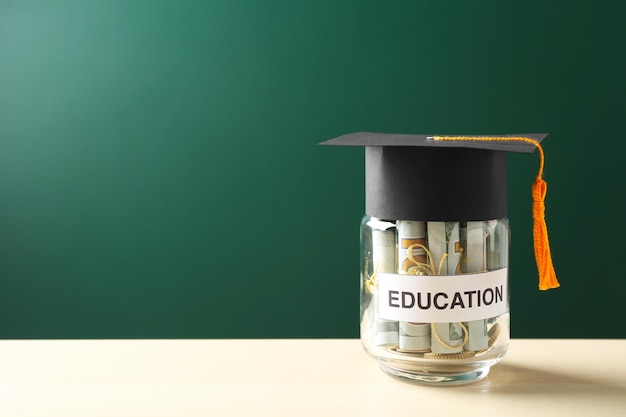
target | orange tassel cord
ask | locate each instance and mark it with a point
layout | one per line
(547, 275)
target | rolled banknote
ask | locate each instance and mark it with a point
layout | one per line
(478, 335)
(414, 337)
(438, 246)
(448, 337)
(411, 233)
(386, 332)
(497, 244)
(444, 244)
(384, 250)
(475, 248)
(453, 239)
(497, 258)
(475, 238)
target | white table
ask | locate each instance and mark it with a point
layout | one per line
(297, 378)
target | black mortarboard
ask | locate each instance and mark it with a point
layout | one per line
(448, 178)
(418, 177)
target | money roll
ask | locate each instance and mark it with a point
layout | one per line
(386, 332)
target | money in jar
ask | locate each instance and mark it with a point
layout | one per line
(435, 251)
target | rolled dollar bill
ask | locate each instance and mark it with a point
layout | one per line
(497, 258)
(475, 250)
(478, 335)
(497, 244)
(444, 244)
(386, 332)
(414, 337)
(475, 237)
(447, 337)
(438, 246)
(491, 244)
(409, 234)
(384, 250)
(444, 241)
(453, 240)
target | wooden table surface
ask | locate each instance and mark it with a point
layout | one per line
(320, 377)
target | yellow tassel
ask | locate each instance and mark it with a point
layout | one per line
(547, 275)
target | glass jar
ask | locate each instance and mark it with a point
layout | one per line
(434, 297)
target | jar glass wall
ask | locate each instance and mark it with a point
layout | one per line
(428, 292)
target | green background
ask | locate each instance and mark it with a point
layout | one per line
(159, 174)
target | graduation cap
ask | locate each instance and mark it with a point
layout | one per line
(448, 178)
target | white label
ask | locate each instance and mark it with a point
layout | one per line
(442, 298)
